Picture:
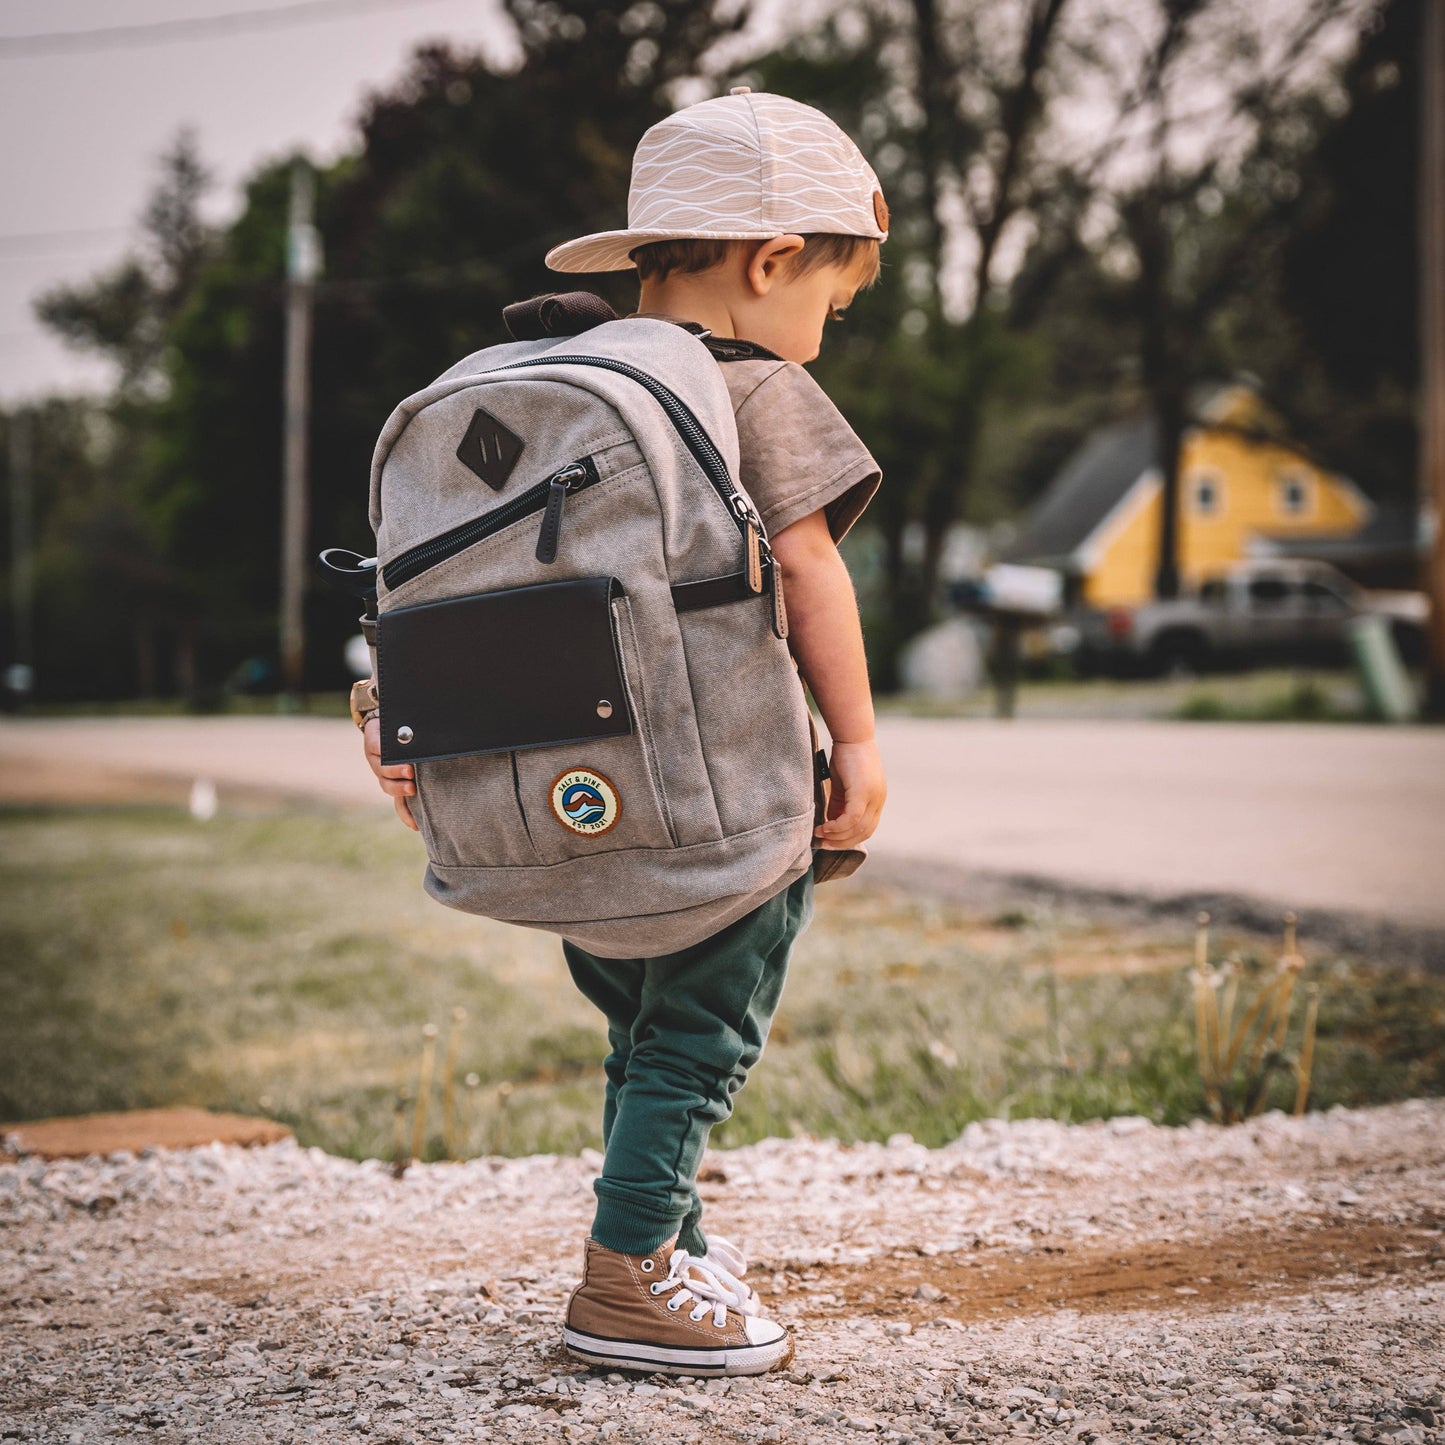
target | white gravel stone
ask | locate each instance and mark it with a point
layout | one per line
(280, 1294)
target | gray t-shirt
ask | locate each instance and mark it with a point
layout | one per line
(796, 451)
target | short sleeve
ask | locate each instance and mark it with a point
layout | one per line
(797, 453)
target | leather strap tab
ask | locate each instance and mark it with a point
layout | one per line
(551, 522)
(754, 547)
(780, 608)
(714, 591)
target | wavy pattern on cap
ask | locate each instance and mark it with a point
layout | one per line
(744, 167)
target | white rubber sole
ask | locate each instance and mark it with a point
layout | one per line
(675, 1360)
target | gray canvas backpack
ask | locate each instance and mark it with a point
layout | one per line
(581, 643)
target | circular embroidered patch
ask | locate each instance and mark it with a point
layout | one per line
(585, 802)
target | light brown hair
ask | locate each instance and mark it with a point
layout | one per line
(660, 259)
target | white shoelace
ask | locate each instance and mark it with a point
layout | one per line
(705, 1282)
(725, 1253)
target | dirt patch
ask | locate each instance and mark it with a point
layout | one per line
(29, 782)
(135, 1129)
(34, 781)
(1181, 1275)
(1120, 964)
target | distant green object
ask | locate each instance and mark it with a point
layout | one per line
(1388, 691)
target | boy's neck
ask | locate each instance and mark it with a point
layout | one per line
(688, 298)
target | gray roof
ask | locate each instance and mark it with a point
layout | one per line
(1394, 530)
(1085, 490)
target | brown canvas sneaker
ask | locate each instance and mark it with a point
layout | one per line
(669, 1311)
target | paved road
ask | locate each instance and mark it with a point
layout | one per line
(1326, 817)
(1337, 817)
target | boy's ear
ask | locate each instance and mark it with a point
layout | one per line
(768, 260)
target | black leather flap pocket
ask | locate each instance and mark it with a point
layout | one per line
(524, 668)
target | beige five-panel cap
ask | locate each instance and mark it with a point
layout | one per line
(743, 167)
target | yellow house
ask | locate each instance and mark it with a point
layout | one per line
(1241, 486)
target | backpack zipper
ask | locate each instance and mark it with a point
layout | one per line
(550, 494)
(566, 480)
(687, 426)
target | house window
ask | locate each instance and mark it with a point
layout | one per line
(1208, 496)
(1296, 496)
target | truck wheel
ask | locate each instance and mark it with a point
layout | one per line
(1178, 654)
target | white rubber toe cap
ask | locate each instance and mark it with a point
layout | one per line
(761, 1331)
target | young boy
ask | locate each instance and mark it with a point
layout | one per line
(757, 218)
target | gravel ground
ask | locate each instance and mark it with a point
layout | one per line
(1031, 1280)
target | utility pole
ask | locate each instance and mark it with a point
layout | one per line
(1432, 335)
(20, 674)
(303, 265)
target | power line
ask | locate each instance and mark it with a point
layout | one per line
(166, 32)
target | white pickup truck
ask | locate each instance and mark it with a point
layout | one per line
(1257, 611)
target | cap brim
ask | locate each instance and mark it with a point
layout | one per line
(610, 250)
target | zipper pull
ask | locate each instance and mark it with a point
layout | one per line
(755, 559)
(557, 488)
(779, 609)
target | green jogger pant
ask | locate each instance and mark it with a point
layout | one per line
(683, 1029)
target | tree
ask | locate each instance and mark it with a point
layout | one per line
(949, 98)
(1204, 186)
(462, 180)
(1348, 275)
(102, 558)
(127, 313)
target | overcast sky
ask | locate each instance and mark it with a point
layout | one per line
(81, 132)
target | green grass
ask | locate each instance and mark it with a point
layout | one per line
(285, 964)
(1302, 699)
(1266, 694)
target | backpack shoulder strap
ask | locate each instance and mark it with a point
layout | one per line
(727, 348)
(569, 313)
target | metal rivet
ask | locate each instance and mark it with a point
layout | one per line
(604, 708)
(404, 735)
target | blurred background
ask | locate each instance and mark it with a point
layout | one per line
(1154, 374)
(1150, 315)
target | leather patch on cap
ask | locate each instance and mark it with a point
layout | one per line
(490, 449)
(880, 210)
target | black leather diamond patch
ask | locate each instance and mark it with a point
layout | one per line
(490, 449)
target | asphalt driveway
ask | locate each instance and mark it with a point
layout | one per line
(1317, 816)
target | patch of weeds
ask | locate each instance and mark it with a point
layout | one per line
(1011, 918)
(1204, 707)
(285, 965)
(558, 1054)
(1303, 699)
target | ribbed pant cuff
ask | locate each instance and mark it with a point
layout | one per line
(624, 1225)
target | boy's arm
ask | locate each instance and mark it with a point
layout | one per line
(827, 640)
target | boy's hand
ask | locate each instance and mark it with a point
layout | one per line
(855, 800)
(398, 780)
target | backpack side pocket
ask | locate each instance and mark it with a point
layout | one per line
(759, 757)
(469, 814)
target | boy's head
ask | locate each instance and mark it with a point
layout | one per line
(752, 213)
